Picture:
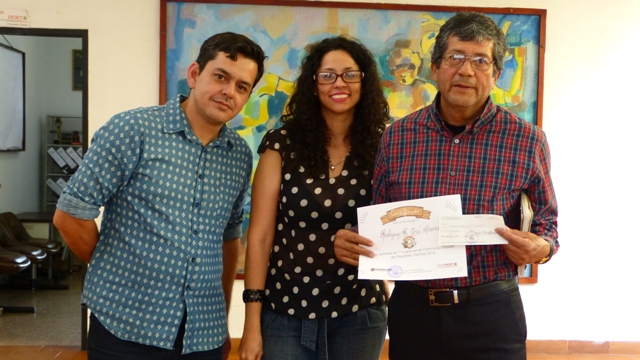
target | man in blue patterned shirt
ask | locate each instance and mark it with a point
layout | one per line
(464, 144)
(172, 180)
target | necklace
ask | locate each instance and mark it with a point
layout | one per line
(333, 166)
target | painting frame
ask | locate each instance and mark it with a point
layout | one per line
(530, 66)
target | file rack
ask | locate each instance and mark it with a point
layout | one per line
(62, 153)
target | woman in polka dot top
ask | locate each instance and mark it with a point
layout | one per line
(314, 172)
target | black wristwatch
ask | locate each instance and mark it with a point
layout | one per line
(252, 295)
(552, 248)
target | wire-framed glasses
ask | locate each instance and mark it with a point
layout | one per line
(323, 78)
(477, 62)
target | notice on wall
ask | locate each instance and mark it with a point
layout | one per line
(14, 18)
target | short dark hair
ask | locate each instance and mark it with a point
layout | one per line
(471, 26)
(231, 44)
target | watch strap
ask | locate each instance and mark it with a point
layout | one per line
(552, 248)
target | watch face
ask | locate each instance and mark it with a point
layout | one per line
(253, 296)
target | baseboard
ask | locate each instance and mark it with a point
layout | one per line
(235, 343)
(551, 347)
(583, 347)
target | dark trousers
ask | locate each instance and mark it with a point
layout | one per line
(102, 345)
(492, 327)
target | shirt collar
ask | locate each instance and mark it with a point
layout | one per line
(437, 122)
(175, 120)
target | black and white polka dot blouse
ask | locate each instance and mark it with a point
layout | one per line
(305, 279)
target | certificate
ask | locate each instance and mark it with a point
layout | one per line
(471, 229)
(405, 237)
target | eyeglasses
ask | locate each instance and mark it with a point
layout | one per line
(347, 76)
(477, 62)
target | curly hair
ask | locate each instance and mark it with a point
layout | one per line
(307, 128)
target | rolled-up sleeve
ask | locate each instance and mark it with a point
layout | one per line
(78, 208)
(113, 154)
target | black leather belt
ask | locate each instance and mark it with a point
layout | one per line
(446, 297)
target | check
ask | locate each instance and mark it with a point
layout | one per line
(477, 229)
(405, 236)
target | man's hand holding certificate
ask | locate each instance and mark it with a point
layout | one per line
(405, 237)
(422, 239)
(477, 229)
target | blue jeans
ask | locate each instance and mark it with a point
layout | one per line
(103, 345)
(357, 336)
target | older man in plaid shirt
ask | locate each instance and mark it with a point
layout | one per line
(464, 144)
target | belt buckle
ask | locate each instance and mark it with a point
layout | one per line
(432, 297)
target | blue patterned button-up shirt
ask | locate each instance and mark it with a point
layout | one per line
(168, 204)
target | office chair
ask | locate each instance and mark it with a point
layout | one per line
(21, 234)
(34, 254)
(11, 263)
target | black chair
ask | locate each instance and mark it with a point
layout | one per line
(12, 263)
(34, 254)
(21, 234)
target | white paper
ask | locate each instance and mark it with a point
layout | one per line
(479, 229)
(63, 154)
(526, 217)
(14, 18)
(56, 157)
(74, 155)
(61, 183)
(405, 236)
(53, 186)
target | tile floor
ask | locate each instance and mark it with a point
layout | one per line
(74, 353)
(54, 331)
(57, 320)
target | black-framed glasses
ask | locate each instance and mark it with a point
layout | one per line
(477, 62)
(323, 78)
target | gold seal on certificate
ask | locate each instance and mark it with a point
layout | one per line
(408, 242)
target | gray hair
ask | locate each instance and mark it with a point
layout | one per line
(471, 26)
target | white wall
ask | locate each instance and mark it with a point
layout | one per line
(586, 291)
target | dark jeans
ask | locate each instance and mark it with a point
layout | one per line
(487, 328)
(357, 336)
(102, 345)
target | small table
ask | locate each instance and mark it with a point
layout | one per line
(38, 218)
(41, 217)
